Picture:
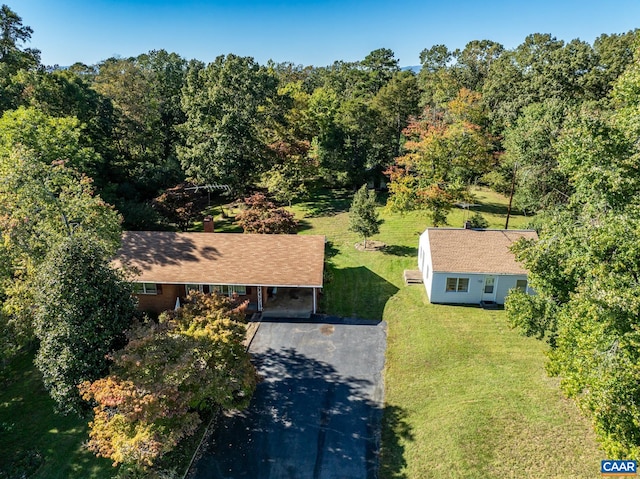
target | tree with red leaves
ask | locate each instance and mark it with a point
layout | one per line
(263, 216)
(180, 205)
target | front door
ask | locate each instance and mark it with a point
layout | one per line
(489, 289)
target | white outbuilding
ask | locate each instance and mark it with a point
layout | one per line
(470, 266)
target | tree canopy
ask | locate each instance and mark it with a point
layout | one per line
(363, 217)
(87, 149)
(585, 269)
(193, 360)
(263, 217)
(83, 309)
(13, 34)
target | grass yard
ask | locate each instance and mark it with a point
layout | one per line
(466, 396)
(35, 442)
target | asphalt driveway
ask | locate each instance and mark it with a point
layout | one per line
(317, 412)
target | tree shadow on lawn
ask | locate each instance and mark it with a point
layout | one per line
(328, 203)
(303, 225)
(399, 250)
(330, 250)
(493, 209)
(305, 420)
(34, 440)
(395, 431)
(355, 292)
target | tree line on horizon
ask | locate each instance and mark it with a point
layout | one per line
(84, 147)
(140, 125)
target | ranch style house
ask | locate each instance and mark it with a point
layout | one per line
(277, 273)
(471, 266)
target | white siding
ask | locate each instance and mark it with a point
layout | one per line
(439, 293)
(436, 282)
(505, 283)
(426, 266)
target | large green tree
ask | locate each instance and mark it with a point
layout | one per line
(356, 115)
(531, 152)
(380, 65)
(144, 93)
(13, 55)
(40, 206)
(227, 104)
(69, 94)
(585, 269)
(83, 307)
(13, 34)
(49, 138)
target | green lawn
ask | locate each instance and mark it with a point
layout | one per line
(35, 442)
(466, 396)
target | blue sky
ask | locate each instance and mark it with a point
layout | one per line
(313, 32)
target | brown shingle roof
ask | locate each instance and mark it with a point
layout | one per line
(475, 251)
(223, 258)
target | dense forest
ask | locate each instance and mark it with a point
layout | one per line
(95, 148)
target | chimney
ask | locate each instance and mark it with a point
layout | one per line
(467, 225)
(208, 224)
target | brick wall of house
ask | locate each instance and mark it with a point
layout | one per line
(167, 294)
(165, 299)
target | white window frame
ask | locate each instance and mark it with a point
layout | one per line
(458, 285)
(491, 284)
(236, 288)
(219, 288)
(521, 288)
(193, 287)
(146, 288)
(223, 289)
(229, 289)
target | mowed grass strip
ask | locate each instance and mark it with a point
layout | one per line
(466, 396)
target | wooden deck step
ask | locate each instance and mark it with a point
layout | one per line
(412, 276)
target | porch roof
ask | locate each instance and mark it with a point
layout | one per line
(223, 258)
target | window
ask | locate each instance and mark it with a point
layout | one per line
(224, 289)
(145, 288)
(218, 288)
(194, 287)
(228, 289)
(521, 284)
(241, 290)
(457, 285)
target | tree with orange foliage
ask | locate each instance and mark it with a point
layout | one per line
(444, 153)
(192, 360)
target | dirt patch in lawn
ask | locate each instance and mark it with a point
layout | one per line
(371, 246)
